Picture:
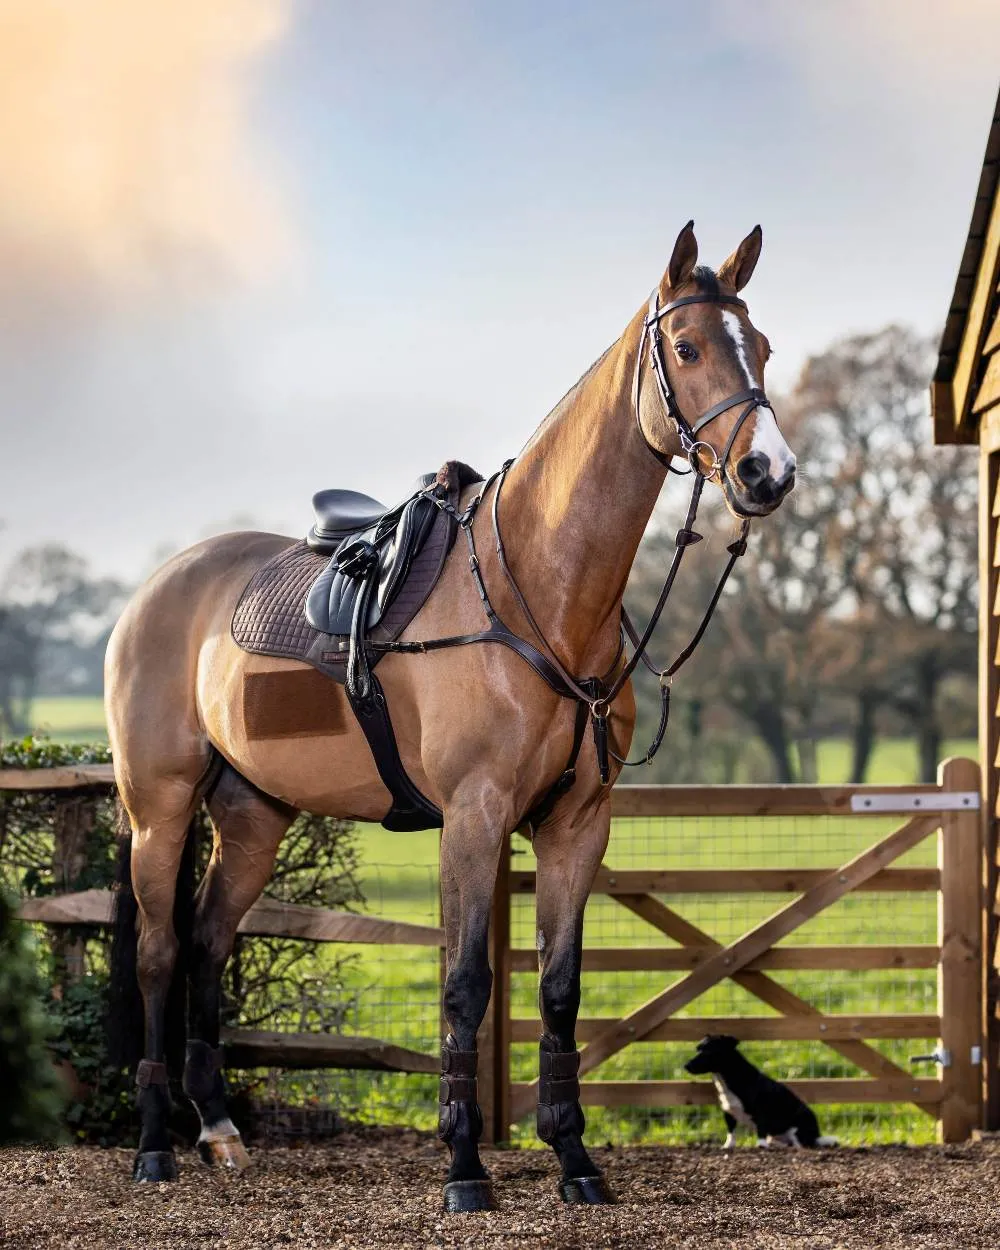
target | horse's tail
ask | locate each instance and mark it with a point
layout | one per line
(126, 1015)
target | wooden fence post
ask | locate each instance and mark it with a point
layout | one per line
(494, 1036)
(73, 824)
(960, 934)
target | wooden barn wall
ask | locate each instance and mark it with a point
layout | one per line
(989, 740)
(986, 406)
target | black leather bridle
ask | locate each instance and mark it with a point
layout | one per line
(691, 445)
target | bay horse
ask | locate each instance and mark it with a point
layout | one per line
(478, 731)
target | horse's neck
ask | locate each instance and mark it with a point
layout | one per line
(574, 508)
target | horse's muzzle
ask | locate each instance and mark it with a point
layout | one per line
(760, 491)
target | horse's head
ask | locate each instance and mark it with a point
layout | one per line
(708, 360)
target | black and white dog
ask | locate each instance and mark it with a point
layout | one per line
(749, 1097)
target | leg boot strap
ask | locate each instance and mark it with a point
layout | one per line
(455, 1062)
(559, 1108)
(458, 1087)
(558, 1079)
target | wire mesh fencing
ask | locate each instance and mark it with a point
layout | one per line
(862, 918)
(395, 990)
(388, 991)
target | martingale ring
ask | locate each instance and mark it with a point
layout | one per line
(692, 455)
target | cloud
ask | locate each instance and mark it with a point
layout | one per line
(917, 47)
(128, 163)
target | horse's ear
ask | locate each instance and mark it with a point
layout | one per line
(682, 260)
(737, 270)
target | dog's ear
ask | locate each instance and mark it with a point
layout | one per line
(730, 1043)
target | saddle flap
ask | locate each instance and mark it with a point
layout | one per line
(382, 554)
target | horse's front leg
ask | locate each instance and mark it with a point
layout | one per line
(474, 832)
(569, 850)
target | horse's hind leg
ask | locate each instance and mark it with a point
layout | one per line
(569, 850)
(473, 834)
(159, 831)
(249, 825)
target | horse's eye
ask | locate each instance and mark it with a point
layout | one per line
(685, 351)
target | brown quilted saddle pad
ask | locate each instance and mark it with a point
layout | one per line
(270, 616)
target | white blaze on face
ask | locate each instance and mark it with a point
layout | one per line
(767, 437)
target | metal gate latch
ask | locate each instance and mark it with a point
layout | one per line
(937, 1055)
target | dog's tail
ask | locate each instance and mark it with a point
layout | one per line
(827, 1141)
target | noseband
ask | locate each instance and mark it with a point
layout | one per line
(688, 434)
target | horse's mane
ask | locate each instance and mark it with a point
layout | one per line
(707, 281)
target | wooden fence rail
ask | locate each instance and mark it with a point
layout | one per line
(949, 808)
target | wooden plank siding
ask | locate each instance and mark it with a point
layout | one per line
(988, 390)
(989, 746)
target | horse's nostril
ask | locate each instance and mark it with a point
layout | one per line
(753, 469)
(785, 483)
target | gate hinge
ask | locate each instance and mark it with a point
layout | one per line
(928, 801)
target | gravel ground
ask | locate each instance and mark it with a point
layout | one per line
(384, 1189)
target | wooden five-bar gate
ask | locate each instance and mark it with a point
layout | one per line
(697, 961)
(950, 809)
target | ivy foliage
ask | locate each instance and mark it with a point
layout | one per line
(271, 983)
(32, 1099)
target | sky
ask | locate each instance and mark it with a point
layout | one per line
(252, 249)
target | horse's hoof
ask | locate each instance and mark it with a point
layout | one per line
(224, 1152)
(469, 1196)
(592, 1191)
(155, 1165)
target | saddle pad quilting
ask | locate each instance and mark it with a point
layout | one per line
(270, 616)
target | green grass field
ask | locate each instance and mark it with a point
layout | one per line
(396, 988)
(71, 718)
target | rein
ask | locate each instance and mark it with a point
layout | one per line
(595, 695)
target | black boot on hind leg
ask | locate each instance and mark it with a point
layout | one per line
(460, 1126)
(155, 1160)
(219, 1144)
(560, 1124)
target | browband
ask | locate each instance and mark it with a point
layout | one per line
(703, 298)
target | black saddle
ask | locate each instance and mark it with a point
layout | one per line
(343, 512)
(372, 547)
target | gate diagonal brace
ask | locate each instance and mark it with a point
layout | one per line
(729, 961)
